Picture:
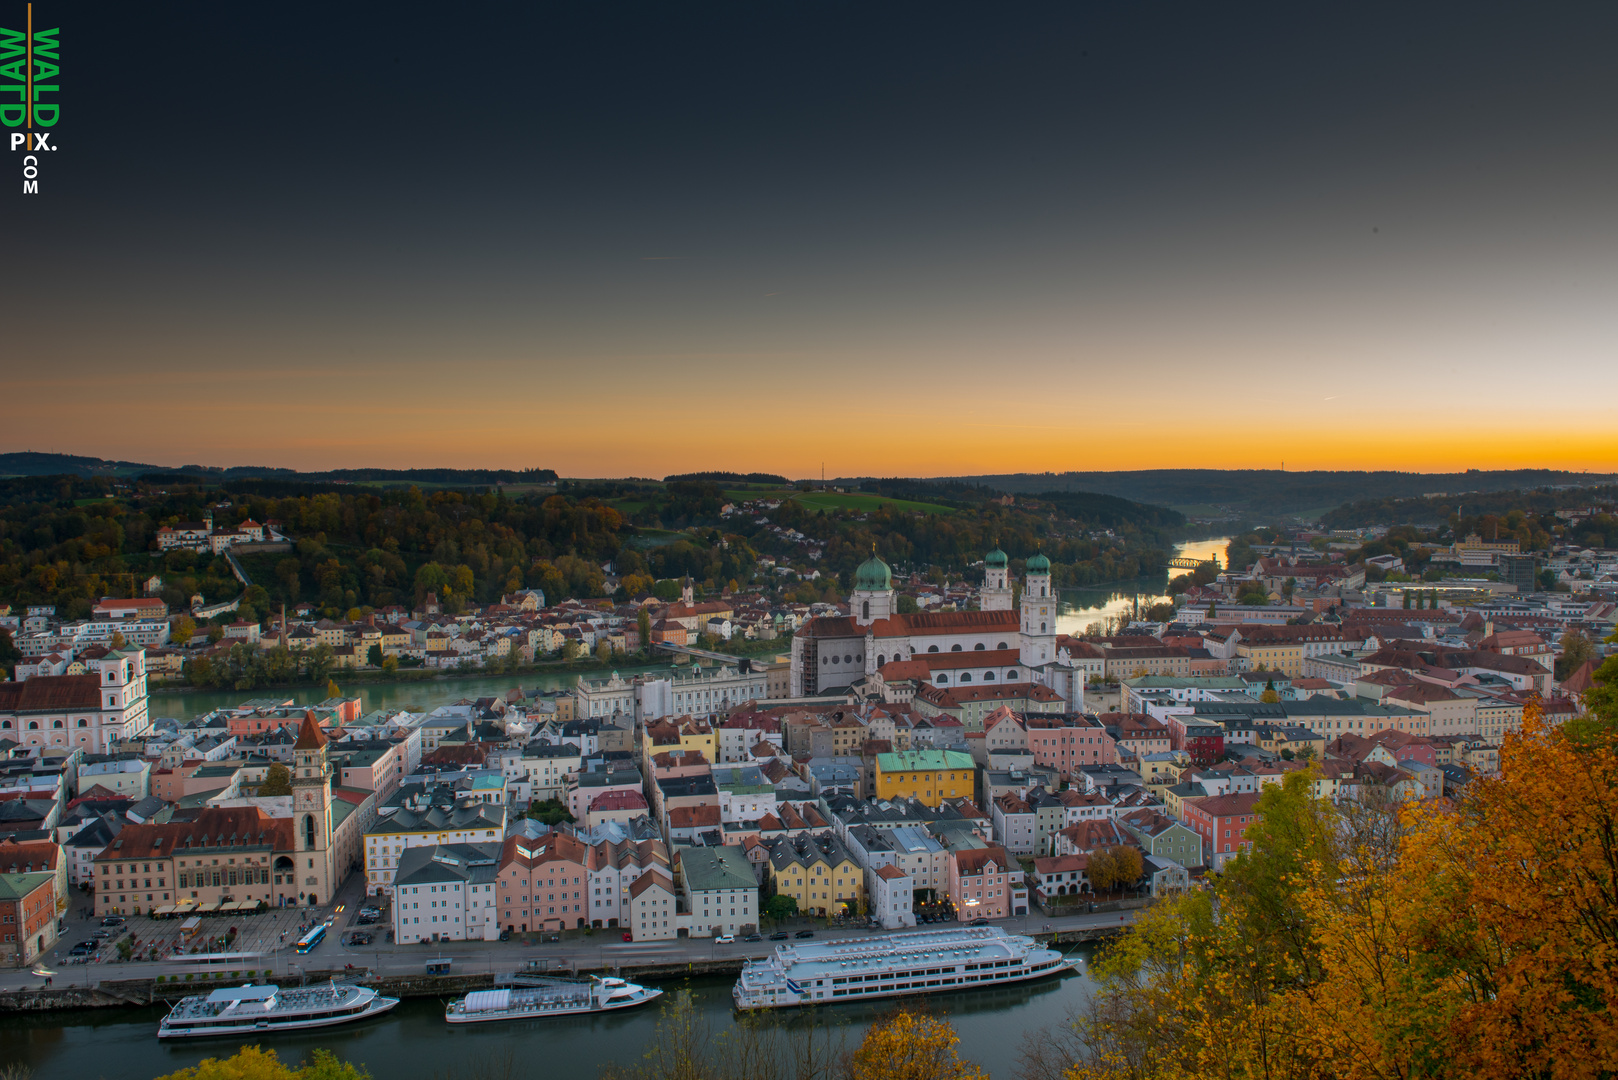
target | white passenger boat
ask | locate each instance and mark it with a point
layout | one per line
(893, 965)
(256, 1010)
(537, 997)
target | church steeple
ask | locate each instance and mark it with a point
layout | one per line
(1038, 613)
(872, 598)
(311, 810)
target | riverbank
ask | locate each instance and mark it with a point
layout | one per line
(145, 993)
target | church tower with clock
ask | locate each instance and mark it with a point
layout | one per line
(311, 813)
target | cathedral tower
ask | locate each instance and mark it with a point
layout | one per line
(1038, 613)
(873, 591)
(996, 593)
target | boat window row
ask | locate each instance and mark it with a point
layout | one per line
(921, 973)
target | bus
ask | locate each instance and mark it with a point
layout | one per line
(312, 938)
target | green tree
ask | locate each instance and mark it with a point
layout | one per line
(780, 908)
(571, 649)
(604, 651)
(216, 634)
(9, 653)
(184, 629)
(550, 811)
(643, 626)
(373, 655)
(907, 604)
(277, 781)
(390, 664)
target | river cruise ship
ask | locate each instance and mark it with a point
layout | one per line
(893, 965)
(538, 997)
(257, 1010)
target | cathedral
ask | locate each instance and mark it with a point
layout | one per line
(994, 645)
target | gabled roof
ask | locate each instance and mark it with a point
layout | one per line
(310, 736)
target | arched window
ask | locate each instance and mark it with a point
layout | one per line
(5, 726)
(1041, 628)
(309, 830)
(943, 680)
(33, 725)
(1001, 645)
(966, 677)
(866, 609)
(83, 722)
(1012, 674)
(988, 676)
(954, 648)
(932, 648)
(881, 659)
(56, 724)
(978, 647)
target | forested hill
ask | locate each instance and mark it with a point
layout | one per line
(32, 463)
(1265, 492)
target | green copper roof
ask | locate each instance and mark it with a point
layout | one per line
(1039, 564)
(995, 558)
(873, 575)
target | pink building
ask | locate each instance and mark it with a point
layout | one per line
(1066, 743)
(542, 883)
(980, 883)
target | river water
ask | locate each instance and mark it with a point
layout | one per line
(1081, 607)
(413, 1042)
(426, 694)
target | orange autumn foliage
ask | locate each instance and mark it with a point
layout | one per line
(1438, 939)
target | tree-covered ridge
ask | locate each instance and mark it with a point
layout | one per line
(1480, 512)
(68, 540)
(1263, 493)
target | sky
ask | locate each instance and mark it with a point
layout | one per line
(882, 239)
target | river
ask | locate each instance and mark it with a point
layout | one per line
(413, 1043)
(425, 694)
(1081, 607)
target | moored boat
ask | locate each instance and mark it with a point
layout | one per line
(893, 965)
(254, 1010)
(537, 997)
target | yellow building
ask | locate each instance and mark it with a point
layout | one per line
(818, 872)
(929, 776)
(664, 736)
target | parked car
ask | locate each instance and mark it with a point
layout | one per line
(113, 920)
(725, 939)
(754, 937)
(780, 935)
(978, 922)
(371, 912)
(804, 933)
(365, 920)
(629, 935)
(100, 935)
(359, 939)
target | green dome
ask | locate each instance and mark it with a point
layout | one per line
(873, 576)
(995, 559)
(1039, 564)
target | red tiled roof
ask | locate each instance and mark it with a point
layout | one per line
(310, 737)
(51, 693)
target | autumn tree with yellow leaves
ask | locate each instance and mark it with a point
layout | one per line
(910, 1045)
(1379, 941)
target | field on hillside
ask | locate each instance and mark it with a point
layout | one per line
(836, 500)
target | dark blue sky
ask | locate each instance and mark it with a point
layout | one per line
(929, 238)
